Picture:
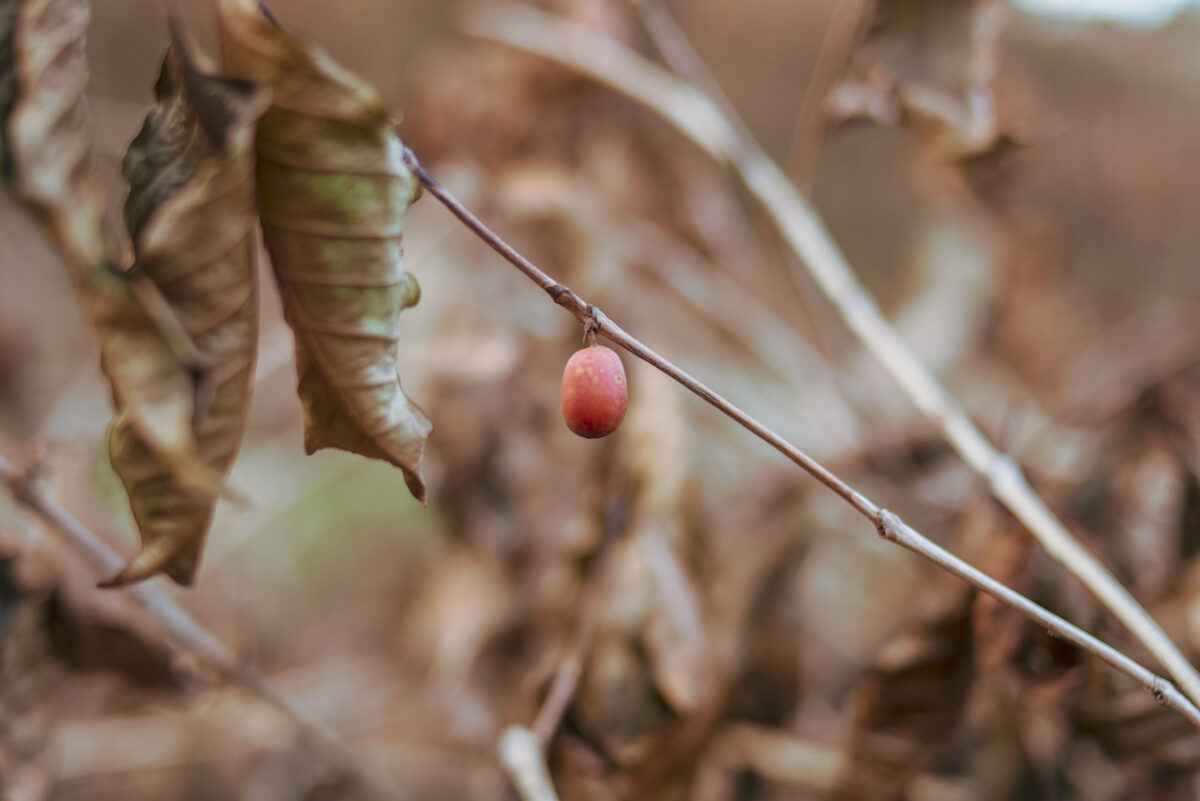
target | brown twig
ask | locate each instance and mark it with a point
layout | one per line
(887, 524)
(702, 119)
(587, 314)
(187, 633)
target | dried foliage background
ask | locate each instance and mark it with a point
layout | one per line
(747, 637)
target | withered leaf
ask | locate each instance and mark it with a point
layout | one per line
(909, 704)
(1133, 727)
(191, 213)
(332, 192)
(46, 137)
(88, 635)
(48, 166)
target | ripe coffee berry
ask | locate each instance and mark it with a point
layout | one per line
(594, 392)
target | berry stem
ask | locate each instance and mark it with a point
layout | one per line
(590, 325)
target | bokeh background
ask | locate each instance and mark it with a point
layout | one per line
(747, 636)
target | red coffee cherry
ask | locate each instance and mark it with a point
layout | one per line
(594, 392)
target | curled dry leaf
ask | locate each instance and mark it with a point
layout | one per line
(1133, 728)
(46, 137)
(191, 213)
(909, 704)
(46, 151)
(332, 192)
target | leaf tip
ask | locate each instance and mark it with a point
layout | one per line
(179, 562)
(416, 485)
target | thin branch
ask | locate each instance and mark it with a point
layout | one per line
(700, 117)
(588, 314)
(187, 633)
(887, 524)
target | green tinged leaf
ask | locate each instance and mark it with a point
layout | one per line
(191, 213)
(332, 192)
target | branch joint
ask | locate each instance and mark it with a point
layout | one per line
(888, 525)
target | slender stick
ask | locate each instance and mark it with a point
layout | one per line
(887, 524)
(186, 632)
(701, 118)
(521, 755)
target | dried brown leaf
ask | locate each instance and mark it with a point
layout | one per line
(910, 702)
(998, 546)
(617, 705)
(89, 636)
(152, 388)
(581, 773)
(46, 136)
(932, 65)
(768, 687)
(1181, 406)
(1000, 631)
(191, 212)
(333, 191)
(1134, 728)
(47, 159)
